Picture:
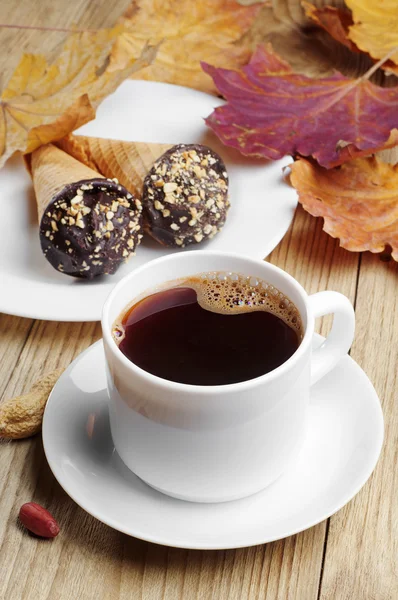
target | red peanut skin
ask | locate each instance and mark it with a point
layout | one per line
(38, 520)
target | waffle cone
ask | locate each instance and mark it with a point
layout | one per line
(129, 162)
(51, 170)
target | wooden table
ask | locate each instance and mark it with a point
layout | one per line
(351, 556)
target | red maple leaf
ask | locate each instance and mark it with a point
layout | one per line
(272, 111)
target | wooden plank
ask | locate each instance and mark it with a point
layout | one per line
(13, 335)
(48, 346)
(362, 548)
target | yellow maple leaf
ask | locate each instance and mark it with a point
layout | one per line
(191, 31)
(44, 102)
(358, 201)
(375, 28)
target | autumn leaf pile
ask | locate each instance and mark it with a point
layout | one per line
(319, 83)
(332, 125)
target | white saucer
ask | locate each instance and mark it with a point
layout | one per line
(262, 204)
(340, 452)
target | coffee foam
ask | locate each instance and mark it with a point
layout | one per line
(227, 293)
(232, 293)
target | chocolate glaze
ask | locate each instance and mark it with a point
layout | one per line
(196, 210)
(90, 227)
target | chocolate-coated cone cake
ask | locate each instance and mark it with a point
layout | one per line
(184, 188)
(89, 225)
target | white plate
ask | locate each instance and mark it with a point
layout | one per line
(262, 203)
(340, 452)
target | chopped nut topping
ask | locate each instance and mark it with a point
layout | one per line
(169, 187)
(174, 226)
(199, 172)
(54, 226)
(109, 215)
(198, 237)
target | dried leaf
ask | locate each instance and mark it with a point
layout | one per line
(190, 32)
(375, 28)
(44, 102)
(336, 21)
(358, 201)
(250, 2)
(272, 111)
(308, 49)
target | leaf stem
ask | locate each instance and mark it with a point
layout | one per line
(379, 63)
(61, 29)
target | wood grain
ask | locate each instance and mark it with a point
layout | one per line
(352, 557)
(367, 528)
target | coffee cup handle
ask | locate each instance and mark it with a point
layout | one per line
(340, 338)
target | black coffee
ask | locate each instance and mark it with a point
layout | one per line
(211, 329)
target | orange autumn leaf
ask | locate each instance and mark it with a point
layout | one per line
(336, 21)
(44, 102)
(375, 29)
(189, 31)
(339, 23)
(358, 201)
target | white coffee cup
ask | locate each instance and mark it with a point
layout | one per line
(217, 443)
